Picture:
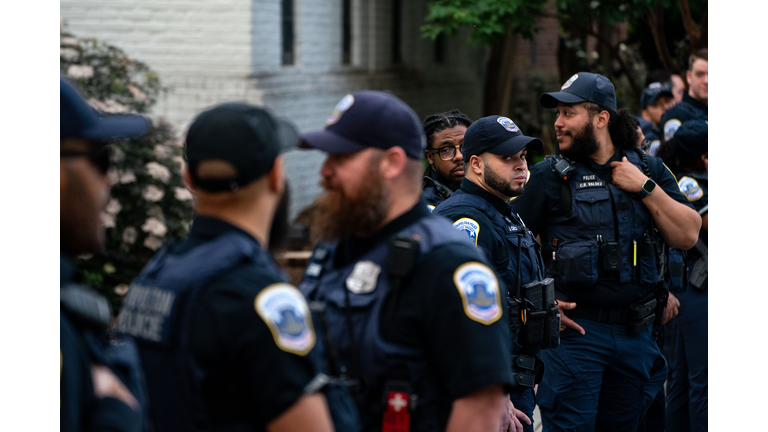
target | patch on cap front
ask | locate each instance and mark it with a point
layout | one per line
(654, 86)
(570, 81)
(508, 124)
(340, 108)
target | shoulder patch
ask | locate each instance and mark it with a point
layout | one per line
(690, 188)
(670, 127)
(284, 309)
(430, 207)
(479, 290)
(470, 227)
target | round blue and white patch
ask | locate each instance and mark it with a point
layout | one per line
(339, 109)
(284, 309)
(691, 189)
(508, 124)
(670, 127)
(470, 227)
(570, 81)
(479, 290)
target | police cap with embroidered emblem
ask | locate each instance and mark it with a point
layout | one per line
(369, 119)
(692, 137)
(583, 87)
(498, 135)
(246, 136)
(653, 91)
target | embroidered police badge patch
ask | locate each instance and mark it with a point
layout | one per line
(570, 81)
(479, 292)
(508, 124)
(670, 127)
(690, 188)
(342, 106)
(284, 309)
(363, 278)
(469, 226)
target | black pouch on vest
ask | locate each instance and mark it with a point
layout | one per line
(577, 262)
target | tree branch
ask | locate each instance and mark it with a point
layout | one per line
(656, 23)
(690, 27)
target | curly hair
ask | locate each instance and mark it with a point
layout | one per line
(622, 126)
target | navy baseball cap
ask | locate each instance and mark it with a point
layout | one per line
(79, 120)
(583, 87)
(369, 119)
(692, 137)
(246, 136)
(653, 91)
(497, 135)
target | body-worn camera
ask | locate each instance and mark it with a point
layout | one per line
(611, 256)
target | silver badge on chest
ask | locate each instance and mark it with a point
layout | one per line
(363, 277)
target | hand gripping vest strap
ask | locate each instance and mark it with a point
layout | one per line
(607, 234)
(353, 297)
(156, 312)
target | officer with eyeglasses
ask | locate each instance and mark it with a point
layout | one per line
(445, 134)
(100, 380)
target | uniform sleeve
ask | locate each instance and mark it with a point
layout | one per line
(666, 180)
(533, 204)
(466, 333)
(257, 328)
(480, 230)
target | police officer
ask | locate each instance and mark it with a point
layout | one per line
(445, 134)
(495, 159)
(413, 312)
(655, 100)
(597, 207)
(695, 102)
(227, 343)
(687, 400)
(99, 390)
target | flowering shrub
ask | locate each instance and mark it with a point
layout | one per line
(149, 203)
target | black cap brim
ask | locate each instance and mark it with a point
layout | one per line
(114, 127)
(514, 145)
(550, 100)
(329, 142)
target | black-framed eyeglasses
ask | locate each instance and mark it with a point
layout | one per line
(646, 145)
(446, 153)
(98, 157)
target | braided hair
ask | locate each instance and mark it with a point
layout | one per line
(438, 122)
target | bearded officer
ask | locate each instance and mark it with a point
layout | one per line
(97, 393)
(496, 169)
(597, 207)
(227, 342)
(413, 311)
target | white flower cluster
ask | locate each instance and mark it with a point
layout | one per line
(80, 71)
(108, 106)
(182, 194)
(158, 171)
(154, 226)
(153, 193)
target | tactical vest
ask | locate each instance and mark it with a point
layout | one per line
(601, 214)
(353, 296)
(156, 314)
(517, 237)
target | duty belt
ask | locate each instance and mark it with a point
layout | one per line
(636, 317)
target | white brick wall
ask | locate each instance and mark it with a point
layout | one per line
(211, 51)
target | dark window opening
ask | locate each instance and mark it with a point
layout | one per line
(346, 32)
(287, 27)
(397, 55)
(440, 48)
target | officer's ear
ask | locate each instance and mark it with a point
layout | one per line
(601, 119)
(277, 176)
(393, 162)
(476, 164)
(429, 155)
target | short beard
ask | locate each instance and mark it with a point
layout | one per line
(584, 144)
(278, 233)
(496, 182)
(448, 182)
(339, 217)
